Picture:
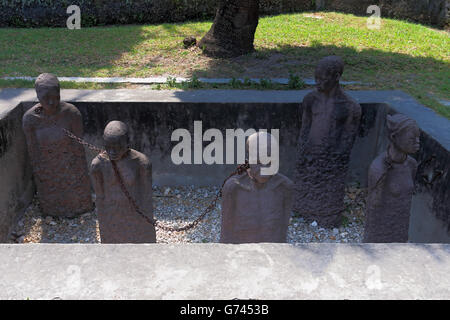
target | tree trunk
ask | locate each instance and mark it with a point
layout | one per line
(233, 30)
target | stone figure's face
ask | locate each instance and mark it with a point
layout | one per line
(255, 172)
(49, 99)
(408, 139)
(325, 80)
(116, 146)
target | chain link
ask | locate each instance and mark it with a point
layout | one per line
(240, 170)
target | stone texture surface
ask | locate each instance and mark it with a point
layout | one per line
(16, 176)
(118, 220)
(329, 125)
(256, 205)
(59, 163)
(218, 271)
(391, 183)
(122, 179)
(252, 213)
(429, 213)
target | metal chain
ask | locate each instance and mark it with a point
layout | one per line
(240, 170)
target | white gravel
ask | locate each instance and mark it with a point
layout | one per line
(180, 205)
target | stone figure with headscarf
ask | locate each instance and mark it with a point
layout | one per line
(391, 183)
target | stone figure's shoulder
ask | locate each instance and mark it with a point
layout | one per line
(236, 183)
(412, 162)
(309, 99)
(379, 161)
(280, 180)
(352, 103)
(378, 166)
(70, 110)
(140, 158)
(98, 163)
(30, 118)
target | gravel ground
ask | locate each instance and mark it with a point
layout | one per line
(177, 206)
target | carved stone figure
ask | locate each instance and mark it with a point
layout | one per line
(391, 183)
(118, 220)
(256, 207)
(59, 163)
(330, 123)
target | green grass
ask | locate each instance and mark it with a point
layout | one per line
(400, 55)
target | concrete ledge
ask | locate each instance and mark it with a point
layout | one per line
(161, 80)
(215, 271)
(430, 122)
(151, 112)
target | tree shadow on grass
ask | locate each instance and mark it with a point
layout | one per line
(426, 78)
(86, 51)
(359, 64)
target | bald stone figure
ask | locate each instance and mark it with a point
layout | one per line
(118, 220)
(391, 183)
(59, 163)
(330, 123)
(256, 207)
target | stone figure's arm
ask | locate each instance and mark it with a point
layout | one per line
(147, 190)
(30, 135)
(228, 208)
(77, 122)
(306, 118)
(351, 127)
(376, 173)
(97, 183)
(414, 167)
(288, 200)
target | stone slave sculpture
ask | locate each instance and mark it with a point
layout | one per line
(59, 163)
(256, 207)
(330, 123)
(118, 220)
(391, 183)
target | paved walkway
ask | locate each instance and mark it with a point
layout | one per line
(161, 80)
(428, 120)
(217, 271)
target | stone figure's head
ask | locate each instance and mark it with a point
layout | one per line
(48, 92)
(263, 151)
(403, 133)
(328, 73)
(116, 138)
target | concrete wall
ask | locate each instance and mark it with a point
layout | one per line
(430, 210)
(16, 185)
(151, 126)
(153, 115)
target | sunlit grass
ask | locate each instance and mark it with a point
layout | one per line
(400, 55)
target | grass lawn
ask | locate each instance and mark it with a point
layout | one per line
(400, 55)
